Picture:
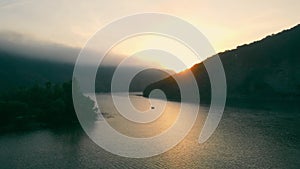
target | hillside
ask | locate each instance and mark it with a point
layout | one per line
(22, 71)
(265, 69)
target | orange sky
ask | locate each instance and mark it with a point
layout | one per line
(226, 24)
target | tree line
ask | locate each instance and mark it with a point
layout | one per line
(45, 105)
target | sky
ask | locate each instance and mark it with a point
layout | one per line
(71, 23)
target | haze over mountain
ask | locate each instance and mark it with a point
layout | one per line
(265, 69)
(25, 61)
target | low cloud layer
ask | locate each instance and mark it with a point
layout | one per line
(27, 46)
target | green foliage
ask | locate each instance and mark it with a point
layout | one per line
(51, 104)
(268, 69)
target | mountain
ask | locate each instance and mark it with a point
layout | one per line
(17, 70)
(138, 83)
(262, 70)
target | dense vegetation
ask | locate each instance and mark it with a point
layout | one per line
(20, 70)
(268, 69)
(48, 105)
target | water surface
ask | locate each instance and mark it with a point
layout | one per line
(245, 138)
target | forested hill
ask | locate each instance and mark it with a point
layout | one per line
(265, 69)
(23, 71)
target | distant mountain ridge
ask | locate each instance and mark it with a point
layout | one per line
(265, 69)
(17, 70)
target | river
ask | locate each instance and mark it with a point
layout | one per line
(245, 138)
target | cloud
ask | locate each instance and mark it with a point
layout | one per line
(7, 3)
(28, 46)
